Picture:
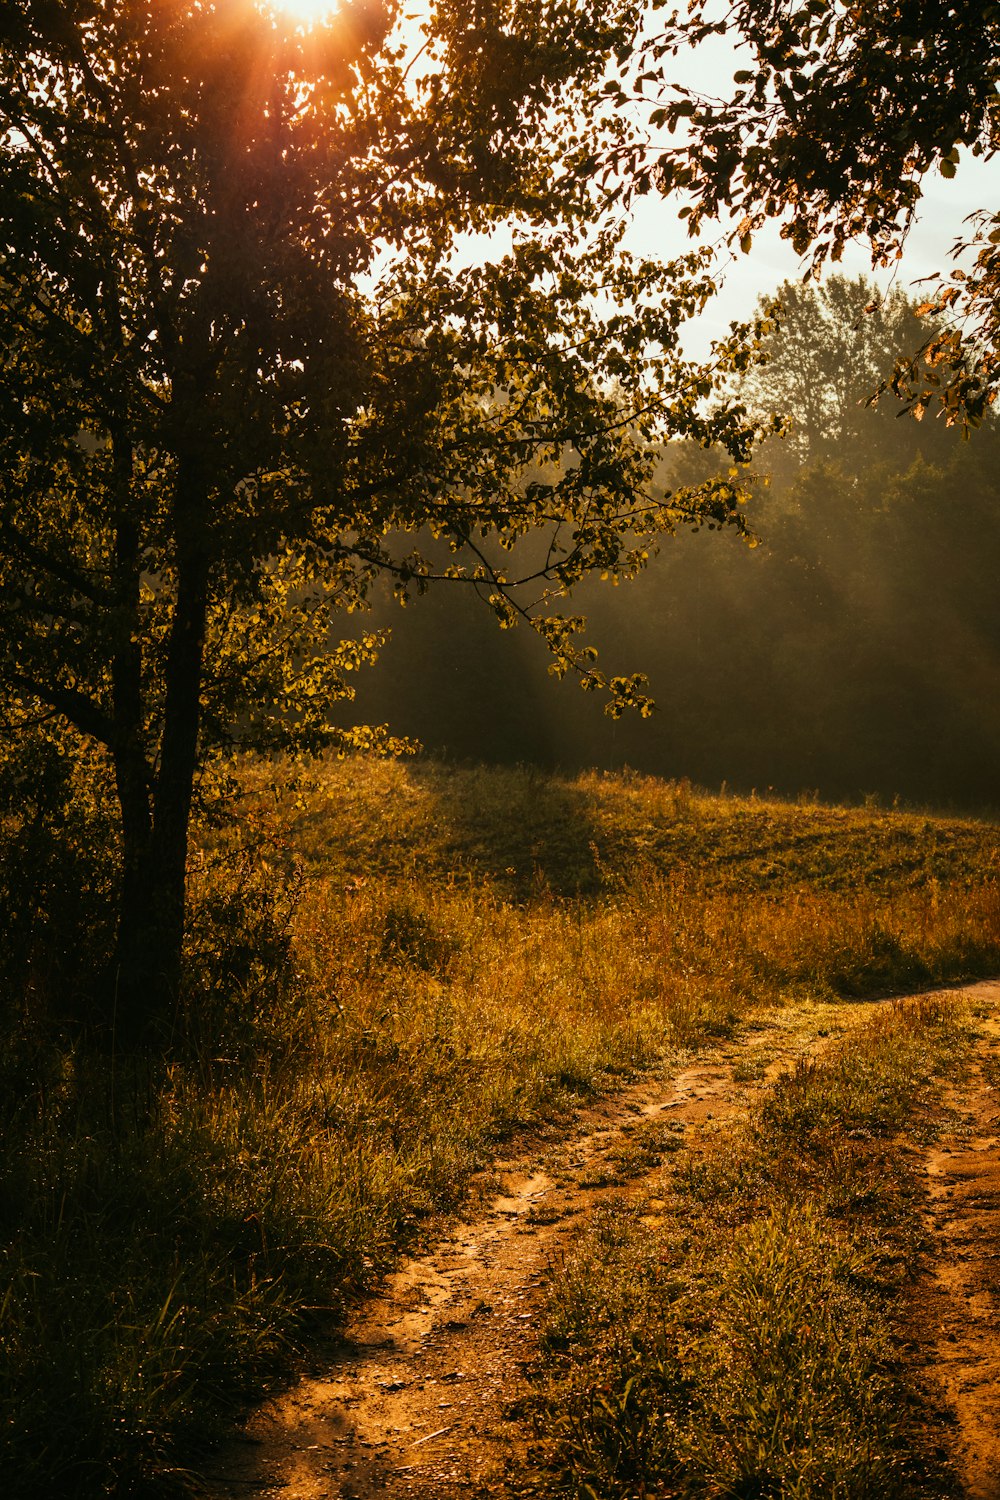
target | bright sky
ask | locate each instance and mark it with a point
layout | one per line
(306, 10)
(946, 203)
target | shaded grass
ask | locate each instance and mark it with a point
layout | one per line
(383, 984)
(737, 1337)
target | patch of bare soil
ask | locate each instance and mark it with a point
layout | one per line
(959, 1304)
(415, 1399)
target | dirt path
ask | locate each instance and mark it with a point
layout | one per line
(959, 1338)
(413, 1400)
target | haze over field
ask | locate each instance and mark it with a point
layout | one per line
(874, 677)
(853, 652)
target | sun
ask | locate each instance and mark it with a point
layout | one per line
(308, 12)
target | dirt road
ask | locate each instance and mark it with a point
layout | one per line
(413, 1401)
(958, 1337)
(417, 1399)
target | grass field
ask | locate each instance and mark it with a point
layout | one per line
(389, 973)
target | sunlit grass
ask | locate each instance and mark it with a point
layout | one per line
(386, 981)
(524, 830)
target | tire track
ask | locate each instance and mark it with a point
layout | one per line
(958, 1338)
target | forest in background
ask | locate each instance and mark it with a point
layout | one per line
(853, 652)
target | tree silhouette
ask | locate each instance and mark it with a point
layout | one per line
(249, 361)
(824, 363)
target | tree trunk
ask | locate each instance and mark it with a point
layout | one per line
(150, 937)
(128, 984)
(151, 920)
(123, 1012)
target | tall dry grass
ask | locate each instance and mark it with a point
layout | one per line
(388, 973)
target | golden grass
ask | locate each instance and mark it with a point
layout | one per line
(388, 973)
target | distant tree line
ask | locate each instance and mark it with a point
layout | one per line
(855, 651)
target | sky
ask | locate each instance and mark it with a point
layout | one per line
(656, 229)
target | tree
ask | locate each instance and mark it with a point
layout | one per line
(244, 369)
(826, 357)
(835, 121)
